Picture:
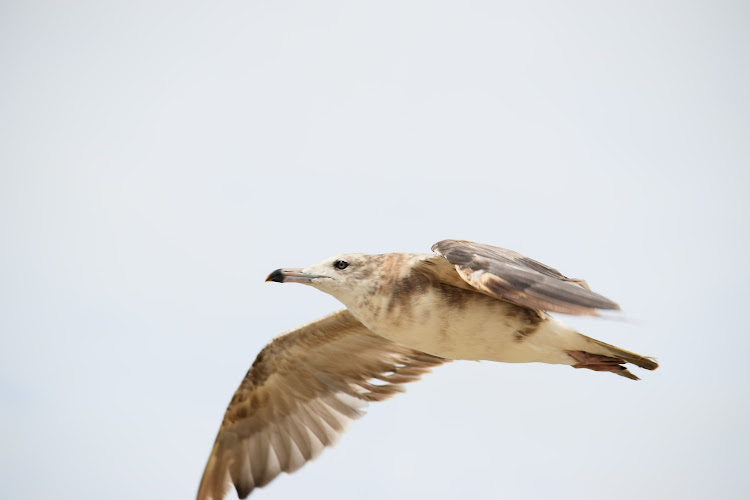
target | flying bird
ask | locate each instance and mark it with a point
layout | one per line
(405, 314)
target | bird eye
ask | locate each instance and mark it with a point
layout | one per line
(340, 264)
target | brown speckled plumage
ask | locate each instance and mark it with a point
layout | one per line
(407, 313)
(299, 395)
(509, 275)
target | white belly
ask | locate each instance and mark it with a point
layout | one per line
(474, 327)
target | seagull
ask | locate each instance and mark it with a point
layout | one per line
(406, 313)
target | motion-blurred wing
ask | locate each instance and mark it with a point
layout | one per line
(300, 395)
(510, 276)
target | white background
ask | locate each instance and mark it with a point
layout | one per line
(159, 159)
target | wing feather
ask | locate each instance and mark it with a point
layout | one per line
(300, 395)
(510, 276)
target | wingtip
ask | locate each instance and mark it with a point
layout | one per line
(243, 490)
(612, 306)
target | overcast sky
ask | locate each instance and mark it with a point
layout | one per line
(159, 159)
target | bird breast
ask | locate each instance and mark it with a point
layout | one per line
(450, 322)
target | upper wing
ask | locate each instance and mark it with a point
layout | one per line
(301, 393)
(510, 276)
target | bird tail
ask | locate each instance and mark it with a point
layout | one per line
(606, 357)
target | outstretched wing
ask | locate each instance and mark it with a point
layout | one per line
(300, 395)
(510, 276)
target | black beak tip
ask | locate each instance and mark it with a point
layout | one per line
(276, 276)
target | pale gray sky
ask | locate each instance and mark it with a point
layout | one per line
(158, 159)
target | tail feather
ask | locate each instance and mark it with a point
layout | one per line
(610, 359)
(626, 373)
(631, 357)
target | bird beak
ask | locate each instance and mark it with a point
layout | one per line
(291, 276)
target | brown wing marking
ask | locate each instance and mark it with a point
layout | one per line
(300, 395)
(510, 276)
